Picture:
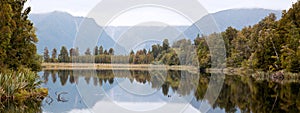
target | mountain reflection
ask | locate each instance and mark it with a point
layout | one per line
(238, 94)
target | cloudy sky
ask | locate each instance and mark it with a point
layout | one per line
(82, 7)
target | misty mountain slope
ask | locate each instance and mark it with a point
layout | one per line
(58, 29)
(237, 18)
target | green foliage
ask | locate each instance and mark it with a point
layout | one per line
(101, 50)
(111, 51)
(204, 57)
(228, 36)
(96, 51)
(54, 55)
(64, 55)
(17, 46)
(269, 45)
(46, 55)
(88, 52)
(289, 29)
(20, 84)
(166, 45)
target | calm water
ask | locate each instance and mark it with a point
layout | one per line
(163, 92)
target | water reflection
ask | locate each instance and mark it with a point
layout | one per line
(25, 107)
(173, 79)
(239, 93)
(247, 94)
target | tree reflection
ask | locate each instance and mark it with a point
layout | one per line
(250, 95)
(243, 93)
(63, 76)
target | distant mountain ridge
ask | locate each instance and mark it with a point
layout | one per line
(239, 18)
(236, 18)
(56, 29)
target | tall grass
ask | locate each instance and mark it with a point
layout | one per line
(19, 85)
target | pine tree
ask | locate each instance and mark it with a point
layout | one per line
(105, 52)
(166, 45)
(88, 52)
(54, 55)
(46, 55)
(72, 52)
(64, 55)
(18, 39)
(111, 51)
(96, 51)
(77, 51)
(101, 50)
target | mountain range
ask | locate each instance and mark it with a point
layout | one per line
(56, 29)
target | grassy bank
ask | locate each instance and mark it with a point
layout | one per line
(20, 86)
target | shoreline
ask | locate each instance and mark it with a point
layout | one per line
(148, 67)
(101, 66)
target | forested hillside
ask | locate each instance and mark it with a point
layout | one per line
(269, 45)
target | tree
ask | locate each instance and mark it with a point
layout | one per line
(64, 55)
(263, 45)
(54, 55)
(229, 35)
(87, 52)
(77, 51)
(139, 57)
(204, 56)
(100, 50)
(96, 51)
(46, 55)
(6, 30)
(289, 30)
(131, 57)
(105, 52)
(166, 45)
(239, 51)
(72, 52)
(18, 39)
(111, 51)
(155, 50)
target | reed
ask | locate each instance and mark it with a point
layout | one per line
(20, 85)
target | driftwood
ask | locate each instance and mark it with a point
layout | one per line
(59, 96)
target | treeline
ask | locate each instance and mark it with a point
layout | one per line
(73, 55)
(269, 45)
(158, 54)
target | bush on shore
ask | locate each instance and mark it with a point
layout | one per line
(21, 85)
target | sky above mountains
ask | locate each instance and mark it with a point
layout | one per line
(82, 7)
(142, 15)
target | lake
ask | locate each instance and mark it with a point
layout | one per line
(159, 91)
